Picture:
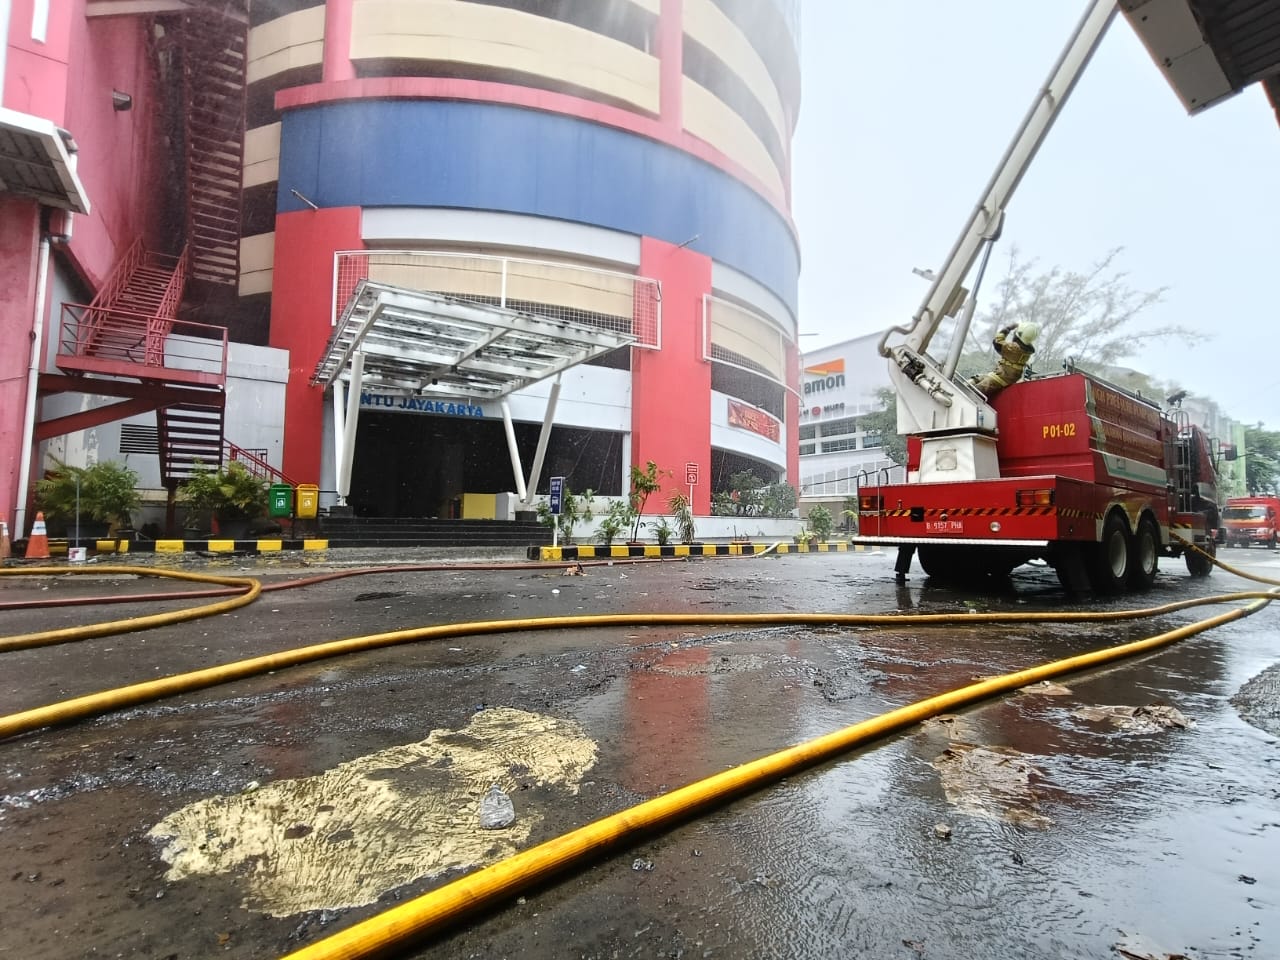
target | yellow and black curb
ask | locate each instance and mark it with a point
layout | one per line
(616, 551)
(258, 545)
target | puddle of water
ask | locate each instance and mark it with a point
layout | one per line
(345, 837)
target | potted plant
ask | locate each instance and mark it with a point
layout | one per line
(102, 495)
(572, 509)
(232, 495)
(682, 510)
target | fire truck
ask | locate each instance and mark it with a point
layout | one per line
(1097, 481)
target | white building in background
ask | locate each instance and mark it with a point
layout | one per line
(838, 387)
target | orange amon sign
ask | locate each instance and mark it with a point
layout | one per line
(757, 421)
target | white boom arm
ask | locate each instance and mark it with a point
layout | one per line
(928, 398)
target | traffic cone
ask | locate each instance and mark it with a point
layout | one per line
(38, 542)
(5, 546)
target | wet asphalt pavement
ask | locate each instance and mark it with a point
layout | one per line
(252, 819)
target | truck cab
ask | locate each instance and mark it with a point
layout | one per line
(1252, 520)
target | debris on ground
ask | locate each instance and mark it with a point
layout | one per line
(1148, 719)
(496, 810)
(573, 570)
(1046, 688)
(991, 782)
(942, 831)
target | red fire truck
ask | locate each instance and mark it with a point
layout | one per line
(1091, 478)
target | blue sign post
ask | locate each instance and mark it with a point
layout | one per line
(557, 504)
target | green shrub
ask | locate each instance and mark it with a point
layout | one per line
(680, 507)
(229, 493)
(819, 521)
(107, 493)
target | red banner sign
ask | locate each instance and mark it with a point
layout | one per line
(757, 421)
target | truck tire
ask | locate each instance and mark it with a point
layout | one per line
(1198, 565)
(941, 563)
(1144, 556)
(1109, 571)
(1071, 563)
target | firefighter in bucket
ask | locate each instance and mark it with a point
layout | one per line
(1014, 346)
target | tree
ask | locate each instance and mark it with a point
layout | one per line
(644, 482)
(1262, 460)
(885, 422)
(1091, 318)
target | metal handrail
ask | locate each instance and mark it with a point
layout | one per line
(130, 336)
(255, 464)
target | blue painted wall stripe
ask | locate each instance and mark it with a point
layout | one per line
(433, 153)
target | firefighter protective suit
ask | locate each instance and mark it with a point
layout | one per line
(1014, 346)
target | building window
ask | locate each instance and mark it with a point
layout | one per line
(808, 432)
(839, 428)
(844, 443)
(872, 441)
(808, 449)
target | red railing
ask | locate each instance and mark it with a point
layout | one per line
(167, 311)
(119, 277)
(256, 465)
(103, 338)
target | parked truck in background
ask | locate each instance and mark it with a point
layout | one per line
(1098, 481)
(1252, 520)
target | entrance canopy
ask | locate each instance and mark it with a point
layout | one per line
(428, 345)
(394, 340)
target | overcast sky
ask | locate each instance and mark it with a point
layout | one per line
(908, 106)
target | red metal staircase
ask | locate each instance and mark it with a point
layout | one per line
(213, 76)
(129, 343)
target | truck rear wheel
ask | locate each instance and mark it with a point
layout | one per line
(1144, 558)
(1198, 565)
(941, 563)
(1071, 563)
(1109, 572)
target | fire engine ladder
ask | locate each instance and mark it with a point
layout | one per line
(1184, 479)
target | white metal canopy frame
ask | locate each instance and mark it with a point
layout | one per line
(408, 342)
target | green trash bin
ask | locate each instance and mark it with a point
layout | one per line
(280, 500)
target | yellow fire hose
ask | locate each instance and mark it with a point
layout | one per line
(47, 637)
(78, 708)
(389, 932)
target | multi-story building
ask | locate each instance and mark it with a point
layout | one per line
(839, 449)
(378, 245)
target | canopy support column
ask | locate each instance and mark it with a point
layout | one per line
(516, 468)
(346, 436)
(535, 472)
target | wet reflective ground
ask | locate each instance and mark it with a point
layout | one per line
(252, 819)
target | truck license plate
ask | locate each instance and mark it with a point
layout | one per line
(944, 526)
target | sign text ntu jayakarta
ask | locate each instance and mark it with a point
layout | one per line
(447, 408)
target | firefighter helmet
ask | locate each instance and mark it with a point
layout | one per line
(1027, 332)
